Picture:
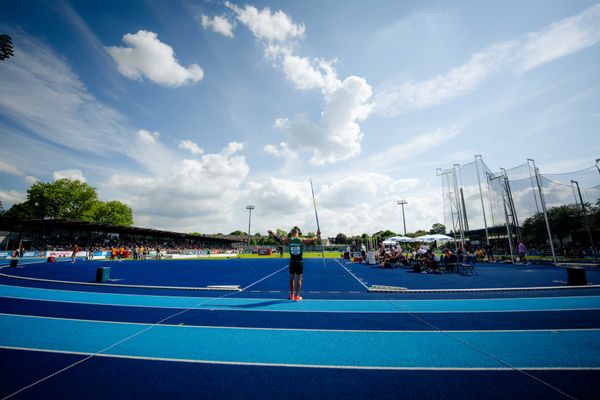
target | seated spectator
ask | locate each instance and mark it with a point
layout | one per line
(430, 262)
(381, 254)
(479, 254)
(450, 261)
(392, 258)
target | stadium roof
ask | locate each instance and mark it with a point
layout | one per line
(14, 224)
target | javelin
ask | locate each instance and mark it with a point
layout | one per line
(317, 218)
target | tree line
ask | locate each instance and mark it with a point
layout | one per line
(340, 238)
(70, 199)
(566, 221)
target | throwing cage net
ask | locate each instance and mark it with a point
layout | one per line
(555, 215)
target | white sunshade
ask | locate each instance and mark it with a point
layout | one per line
(403, 239)
(432, 238)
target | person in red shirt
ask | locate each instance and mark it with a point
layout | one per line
(75, 251)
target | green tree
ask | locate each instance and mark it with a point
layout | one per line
(438, 228)
(534, 230)
(594, 216)
(19, 211)
(238, 233)
(563, 220)
(72, 199)
(63, 198)
(112, 212)
(386, 234)
(340, 238)
(420, 232)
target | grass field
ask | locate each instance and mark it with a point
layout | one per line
(312, 254)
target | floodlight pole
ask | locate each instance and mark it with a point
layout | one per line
(477, 160)
(585, 218)
(543, 203)
(249, 208)
(402, 203)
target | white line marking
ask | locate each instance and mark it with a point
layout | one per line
(216, 288)
(131, 337)
(251, 328)
(365, 367)
(354, 276)
(398, 299)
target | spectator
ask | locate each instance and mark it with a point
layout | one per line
(522, 253)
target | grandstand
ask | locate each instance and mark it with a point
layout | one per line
(36, 236)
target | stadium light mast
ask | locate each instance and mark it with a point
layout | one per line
(249, 208)
(402, 203)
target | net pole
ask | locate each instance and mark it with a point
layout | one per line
(543, 202)
(477, 160)
(585, 218)
(317, 218)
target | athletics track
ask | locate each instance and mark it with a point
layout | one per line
(142, 336)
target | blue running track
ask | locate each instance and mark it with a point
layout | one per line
(143, 336)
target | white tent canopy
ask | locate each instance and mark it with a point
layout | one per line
(403, 239)
(433, 238)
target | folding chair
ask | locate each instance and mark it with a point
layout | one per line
(468, 266)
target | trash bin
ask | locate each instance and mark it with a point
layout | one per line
(102, 274)
(576, 276)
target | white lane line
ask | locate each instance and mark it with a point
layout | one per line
(324, 366)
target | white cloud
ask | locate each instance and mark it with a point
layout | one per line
(202, 188)
(31, 179)
(521, 54)
(280, 196)
(337, 135)
(305, 74)
(191, 147)
(10, 169)
(413, 96)
(150, 152)
(145, 136)
(559, 39)
(266, 25)
(218, 24)
(148, 56)
(11, 197)
(41, 94)
(232, 147)
(282, 150)
(73, 174)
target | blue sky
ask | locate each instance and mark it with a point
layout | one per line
(190, 110)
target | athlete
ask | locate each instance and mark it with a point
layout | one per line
(296, 262)
(74, 254)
